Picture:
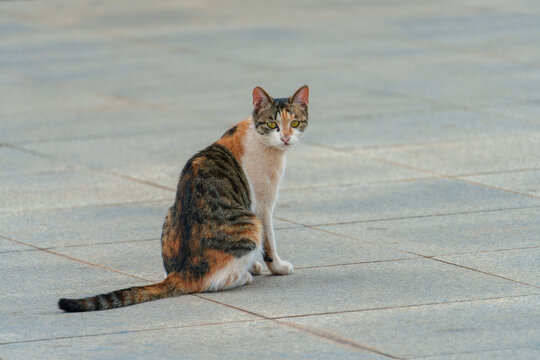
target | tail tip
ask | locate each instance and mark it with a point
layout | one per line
(69, 305)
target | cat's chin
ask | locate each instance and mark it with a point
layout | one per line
(282, 146)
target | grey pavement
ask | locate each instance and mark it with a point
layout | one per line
(411, 210)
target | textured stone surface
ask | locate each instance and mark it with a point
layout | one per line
(470, 157)
(317, 167)
(226, 341)
(86, 225)
(453, 234)
(367, 286)
(17, 162)
(410, 332)
(410, 210)
(518, 264)
(393, 200)
(72, 189)
(525, 182)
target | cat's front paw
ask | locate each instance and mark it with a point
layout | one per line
(281, 267)
(256, 268)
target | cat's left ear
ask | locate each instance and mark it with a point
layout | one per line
(301, 96)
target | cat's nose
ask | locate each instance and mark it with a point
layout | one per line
(285, 139)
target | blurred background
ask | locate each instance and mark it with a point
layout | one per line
(144, 75)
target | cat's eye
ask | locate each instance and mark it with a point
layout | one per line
(295, 123)
(272, 124)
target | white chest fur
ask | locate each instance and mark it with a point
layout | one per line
(264, 166)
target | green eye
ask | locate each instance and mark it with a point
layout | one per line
(272, 124)
(295, 123)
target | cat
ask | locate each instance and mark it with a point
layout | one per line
(222, 215)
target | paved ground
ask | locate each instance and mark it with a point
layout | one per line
(411, 211)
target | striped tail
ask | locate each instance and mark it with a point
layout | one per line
(171, 286)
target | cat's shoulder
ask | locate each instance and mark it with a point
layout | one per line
(234, 138)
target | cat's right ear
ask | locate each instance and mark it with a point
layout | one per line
(260, 98)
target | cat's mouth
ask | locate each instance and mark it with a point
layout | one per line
(284, 145)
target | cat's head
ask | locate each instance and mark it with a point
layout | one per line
(281, 121)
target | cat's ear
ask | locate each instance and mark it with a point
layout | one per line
(260, 98)
(301, 96)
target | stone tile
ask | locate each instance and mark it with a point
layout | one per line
(469, 157)
(515, 264)
(441, 75)
(35, 279)
(477, 61)
(116, 102)
(153, 157)
(282, 224)
(366, 286)
(305, 247)
(266, 340)
(18, 325)
(452, 234)
(10, 27)
(517, 354)
(497, 33)
(459, 329)
(87, 225)
(324, 45)
(117, 118)
(9, 246)
(443, 87)
(17, 162)
(525, 111)
(314, 167)
(418, 127)
(139, 258)
(332, 106)
(391, 201)
(526, 182)
(28, 107)
(72, 189)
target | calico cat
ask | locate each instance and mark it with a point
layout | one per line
(222, 216)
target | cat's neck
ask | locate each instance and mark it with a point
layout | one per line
(263, 164)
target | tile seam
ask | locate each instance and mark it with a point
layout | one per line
(408, 217)
(482, 272)
(412, 306)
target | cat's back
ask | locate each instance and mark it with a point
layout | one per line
(214, 173)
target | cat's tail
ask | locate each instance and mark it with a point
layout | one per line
(172, 285)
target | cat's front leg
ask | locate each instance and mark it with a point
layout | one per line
(270, 255)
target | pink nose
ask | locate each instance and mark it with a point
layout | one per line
(285, 140)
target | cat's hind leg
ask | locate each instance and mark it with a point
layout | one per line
(231, 251)
(232, 274)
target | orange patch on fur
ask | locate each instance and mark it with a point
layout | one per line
(196, 163)
(235, 142)
(217, 260)
(286, 118)
(171, 240)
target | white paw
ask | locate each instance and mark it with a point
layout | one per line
(281, 267)
(256, 268)
(247, 278)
